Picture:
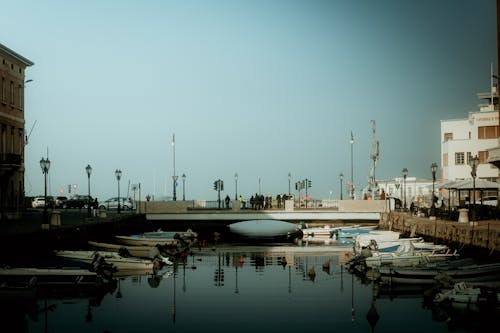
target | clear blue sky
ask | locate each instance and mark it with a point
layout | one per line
(261, 88)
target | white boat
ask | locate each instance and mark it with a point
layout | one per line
(365, 240)
(264, 229)
(119, 262)
(188, 234)
(142, 240)
(332, 231)
(144, 251)
(418, 244)
(452, 269)
(406, 257)
(466, 296)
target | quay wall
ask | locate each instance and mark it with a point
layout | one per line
(484, 235)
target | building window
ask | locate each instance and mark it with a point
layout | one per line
(459, 158)
(11, 93)
(483, 157)
(445, 159)
(20, 97)
(3, 143)
(12, 140)
(487, 132)
(20, 142)
(4, 92)
(448, 136)
(469, 157)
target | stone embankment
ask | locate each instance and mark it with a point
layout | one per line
(482, 235)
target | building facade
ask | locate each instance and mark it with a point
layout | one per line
(408, 190)
(476, 135)
(12, 133)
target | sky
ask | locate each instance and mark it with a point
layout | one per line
(260, 88)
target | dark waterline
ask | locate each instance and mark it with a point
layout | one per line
(244, 291)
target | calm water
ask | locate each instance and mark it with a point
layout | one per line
(240, 290)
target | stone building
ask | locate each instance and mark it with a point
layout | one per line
(12, 133)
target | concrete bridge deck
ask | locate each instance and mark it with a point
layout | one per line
(361, 210)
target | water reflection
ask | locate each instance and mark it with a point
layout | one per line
(241, 290)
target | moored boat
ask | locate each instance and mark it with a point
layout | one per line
(452, 269)
(144, 251)
(188, 234)
(119, 262)
(142, 240)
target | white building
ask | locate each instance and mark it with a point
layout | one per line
(413, 187)
(468, 137)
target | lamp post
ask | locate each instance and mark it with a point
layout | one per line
(183, 187)
(433, 170)
(45, 165)
(174, 177)
(474, 162)
(352, 168)
(236, 186)
(341, 178)
(118, 174)
(289, 180)
(259, 186)
(405, 173)
(88, 169)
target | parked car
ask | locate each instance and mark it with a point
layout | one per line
(78, 201)
(112, 203)
(38, 202)
(60, 202)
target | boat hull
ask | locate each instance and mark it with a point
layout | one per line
(468, 273)
(265, 229)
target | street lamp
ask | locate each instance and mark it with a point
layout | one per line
(45, 165)
(352, 170)
(341, 178)
(183, 187)
(433, 170)
(289, 179)
(88, 169)
(236, 185)
(118, 174)
(474, 162)
(174, 176)
(405, 173)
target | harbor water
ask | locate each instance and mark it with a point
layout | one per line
(238, 288)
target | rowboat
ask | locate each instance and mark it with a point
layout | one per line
(188, 234)
(396, 259)
(119, 262)
(51, 276)
(465, 296)
(18, 289)
(452, 269)
(144, 240)
(149, 252)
